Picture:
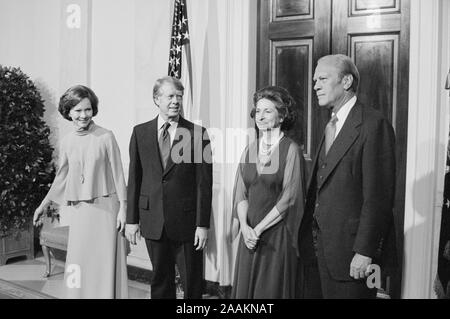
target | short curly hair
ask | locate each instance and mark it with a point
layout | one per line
(73, 96)
(283, 101)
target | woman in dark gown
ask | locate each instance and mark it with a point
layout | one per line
(268, 202)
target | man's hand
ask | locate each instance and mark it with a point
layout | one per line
(132, 232)
(359, 266)
(201, 236)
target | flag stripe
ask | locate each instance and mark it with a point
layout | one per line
(180, 37)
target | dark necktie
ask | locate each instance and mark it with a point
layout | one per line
(164, 144)
(330, 132)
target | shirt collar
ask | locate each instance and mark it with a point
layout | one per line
(345, 110)
(87, 130)
(171, 121)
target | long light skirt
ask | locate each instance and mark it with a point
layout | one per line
(96, 257)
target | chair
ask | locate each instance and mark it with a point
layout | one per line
(56, 237)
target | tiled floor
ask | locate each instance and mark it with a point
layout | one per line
(28, 274)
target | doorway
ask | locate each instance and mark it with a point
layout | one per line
(294, 34)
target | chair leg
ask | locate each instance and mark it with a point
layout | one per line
(47, 258)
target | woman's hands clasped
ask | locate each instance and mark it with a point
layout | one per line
(250, 237)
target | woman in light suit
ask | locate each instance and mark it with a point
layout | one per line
(90, 182)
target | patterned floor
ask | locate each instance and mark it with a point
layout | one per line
(9, 290)
(23, 279)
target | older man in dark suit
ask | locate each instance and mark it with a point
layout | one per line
(169, 193)
(350, 195)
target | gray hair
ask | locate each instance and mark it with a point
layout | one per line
(345, 65)
(167, 79)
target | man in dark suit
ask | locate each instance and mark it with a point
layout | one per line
(169, 193)
(349, 205)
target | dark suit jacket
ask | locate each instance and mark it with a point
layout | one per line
(353, 202)
(178, 198)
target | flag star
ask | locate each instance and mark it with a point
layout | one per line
(179, 37)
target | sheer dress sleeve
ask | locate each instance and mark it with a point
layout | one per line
(115, 160)
(290, 203)
(240, 193)
(58, 188)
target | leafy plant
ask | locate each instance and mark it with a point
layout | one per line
(26, 169)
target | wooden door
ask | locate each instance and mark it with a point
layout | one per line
(294, 34)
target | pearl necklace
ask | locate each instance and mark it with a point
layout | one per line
(265, 150)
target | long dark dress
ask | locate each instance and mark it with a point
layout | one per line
(270, 270)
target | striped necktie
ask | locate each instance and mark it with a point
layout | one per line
(164, 144)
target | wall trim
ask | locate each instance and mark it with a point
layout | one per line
(428, 116)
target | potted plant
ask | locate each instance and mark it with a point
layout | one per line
(26, 168)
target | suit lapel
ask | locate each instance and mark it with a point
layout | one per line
(151, 139)
(345, 139)
(316, 158)
(178, 137)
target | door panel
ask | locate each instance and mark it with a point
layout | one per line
(359, 7)
(291, 62)
(294, 34)
(376, 58)
(292, 9)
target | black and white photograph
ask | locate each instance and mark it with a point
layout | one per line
(228, 154)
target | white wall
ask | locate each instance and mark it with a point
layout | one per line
(30, 40)
(153, 22)
(112, 70)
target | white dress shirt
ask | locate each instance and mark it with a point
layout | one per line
(172, 128)
(342, 114)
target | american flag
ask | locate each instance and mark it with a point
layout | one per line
(180, 38)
